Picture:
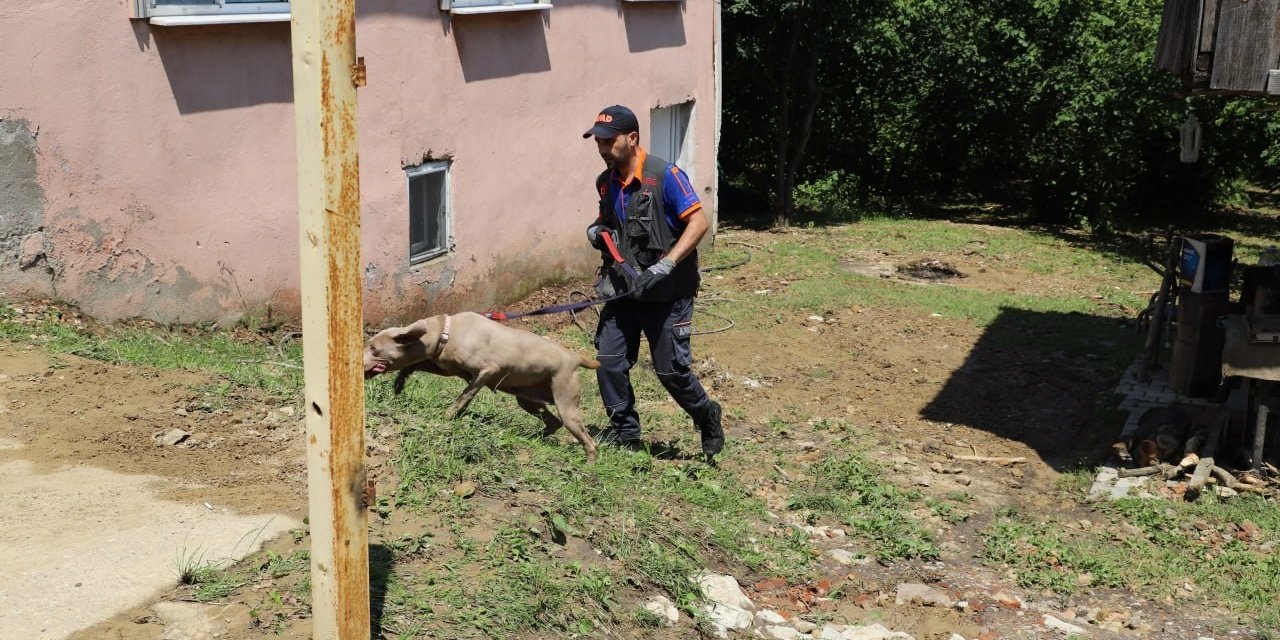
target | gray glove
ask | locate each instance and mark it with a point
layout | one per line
(652, 276)
(593, 235)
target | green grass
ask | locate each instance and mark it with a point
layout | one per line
(654, 522)
(848, 487)
(1151, 547)
(255, 365)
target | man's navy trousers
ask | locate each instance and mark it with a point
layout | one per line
(667, 326)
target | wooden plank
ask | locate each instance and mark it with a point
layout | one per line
(1208, 26)
(1176, 44)
(324, 92)
(1247, 46)
(1208, 37)
(1200, 476)
(1259, 436)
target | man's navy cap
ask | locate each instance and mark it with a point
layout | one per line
(613, 121)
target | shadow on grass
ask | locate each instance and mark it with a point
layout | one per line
(380, 564)
(1044, 379)
(667, 450)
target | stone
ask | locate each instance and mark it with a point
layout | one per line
(782, 633)
(771, 617)
(803, 626)
(1064, 627)
(173, 437)
(724, 617)
(32, 250)
(723, 589)
(194, 621)
(1007, 601)
(872, 632)
(823, 532)
(914, 592)
(662, 607)
(464, 489)
(842, 556)
(1250, 529)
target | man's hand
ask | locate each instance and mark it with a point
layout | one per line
(594, 235)
(652, 276)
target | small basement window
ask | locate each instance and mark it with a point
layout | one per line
(195, 12)
(428, 211)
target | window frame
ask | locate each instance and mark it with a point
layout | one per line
(230, 11)
(469, 7)
(679, 128)
(444, 246)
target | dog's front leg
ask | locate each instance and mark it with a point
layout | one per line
(482, 379)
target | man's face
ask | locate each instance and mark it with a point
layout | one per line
(617, 151)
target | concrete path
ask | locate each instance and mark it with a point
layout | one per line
(81, 544)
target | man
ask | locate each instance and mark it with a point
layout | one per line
(648, 228)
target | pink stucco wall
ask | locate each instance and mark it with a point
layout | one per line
(149, 171)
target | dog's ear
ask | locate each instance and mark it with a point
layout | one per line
(411, 333)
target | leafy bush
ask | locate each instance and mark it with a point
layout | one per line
(1053, 104)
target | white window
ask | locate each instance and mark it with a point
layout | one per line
(671, 135)
(428, 211)
(190, 12)
(464, 7)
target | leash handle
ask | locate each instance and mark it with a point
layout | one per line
(617, 255)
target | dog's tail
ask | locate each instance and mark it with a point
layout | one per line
(589, 363)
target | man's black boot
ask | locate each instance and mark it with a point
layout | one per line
(610, 436)
(711, 430)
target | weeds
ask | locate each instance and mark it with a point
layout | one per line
(849, 487)
(1183, 550)
(574, 543)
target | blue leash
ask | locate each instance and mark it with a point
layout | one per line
(574, 306)
(501, 316)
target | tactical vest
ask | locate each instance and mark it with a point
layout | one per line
(646, 236)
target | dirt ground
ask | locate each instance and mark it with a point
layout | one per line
(924, 386)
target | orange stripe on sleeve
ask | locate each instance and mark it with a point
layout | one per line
(688, 212)
(685, 187)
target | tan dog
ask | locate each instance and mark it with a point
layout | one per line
(535, 370)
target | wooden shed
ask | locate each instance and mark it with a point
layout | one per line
(1229, 47)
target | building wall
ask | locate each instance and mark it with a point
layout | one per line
(150, 172)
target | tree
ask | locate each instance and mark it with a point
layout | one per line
(782, 58)
(1052, 104)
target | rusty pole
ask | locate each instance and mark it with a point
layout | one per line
(325, 76)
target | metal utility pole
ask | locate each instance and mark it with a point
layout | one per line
(325, 76)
